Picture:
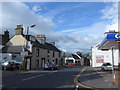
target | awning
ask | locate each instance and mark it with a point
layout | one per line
(109, 42)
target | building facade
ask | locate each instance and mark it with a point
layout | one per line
(40, 51)
(99, 56)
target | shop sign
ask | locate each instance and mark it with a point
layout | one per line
(99, 59)
(113, 36)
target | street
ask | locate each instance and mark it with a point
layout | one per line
(50, 79)
(68, 77)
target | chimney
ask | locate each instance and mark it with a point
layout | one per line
(5, 38)
(41, 38)
(52, 42)
(6, 33)
(19, 30)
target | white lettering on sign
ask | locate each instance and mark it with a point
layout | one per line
(117, 36)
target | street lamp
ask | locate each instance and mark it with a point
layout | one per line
(28, 32)
(24, 61)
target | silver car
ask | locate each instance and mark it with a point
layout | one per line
(106, 66)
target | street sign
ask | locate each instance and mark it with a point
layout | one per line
(28, 44)
(25, 53)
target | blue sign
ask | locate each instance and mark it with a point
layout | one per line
(28, 44)
(119, 67)
(113, 36)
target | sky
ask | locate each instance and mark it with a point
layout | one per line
(72, 25)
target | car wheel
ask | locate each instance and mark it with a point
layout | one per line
(52, 68)
(5, 68)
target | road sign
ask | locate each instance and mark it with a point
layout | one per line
(25, 53)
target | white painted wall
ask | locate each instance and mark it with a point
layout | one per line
(106, 54)
(69, 58)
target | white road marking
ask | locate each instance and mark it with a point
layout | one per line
(32, 77)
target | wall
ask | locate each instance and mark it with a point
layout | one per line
(43, 53)
(17, 40)
(107, 56)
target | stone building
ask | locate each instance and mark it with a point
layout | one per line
(40, 51)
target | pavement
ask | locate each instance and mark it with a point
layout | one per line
(96, 78)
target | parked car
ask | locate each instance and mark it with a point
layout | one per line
(50, 66)
(17, 65)
(8, 65)
(106, 66)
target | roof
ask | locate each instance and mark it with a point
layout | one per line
(47, 46)
(12, 49)
(109, 41)
(75, 56)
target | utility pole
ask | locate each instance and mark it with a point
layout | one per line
(25, 59)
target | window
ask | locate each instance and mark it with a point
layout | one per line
(14, 57)
(48, 54)
(53, 54)
(59, 54)
(5, 57)
(37, 53)
(48, 60)
(56, 61)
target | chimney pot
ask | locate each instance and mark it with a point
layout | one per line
(52, 42)
(41, 38)
(19, 30)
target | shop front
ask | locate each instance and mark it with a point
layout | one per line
(112, 42)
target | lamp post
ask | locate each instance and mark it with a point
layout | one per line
(25, 60)
(28, 32)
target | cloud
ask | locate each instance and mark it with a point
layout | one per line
(36, 9)
(68, 40)
(93, 30)
(14, 13)
(110, 13)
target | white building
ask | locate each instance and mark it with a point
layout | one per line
(73, 59)
(99, 56)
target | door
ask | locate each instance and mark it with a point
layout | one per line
(28, 64)
(37, 63)
(42, 62)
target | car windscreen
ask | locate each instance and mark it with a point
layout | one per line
(108, 64)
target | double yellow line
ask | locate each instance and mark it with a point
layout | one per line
(80, 84)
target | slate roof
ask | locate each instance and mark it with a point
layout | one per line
(12, 49)
(75, 56)
(47, 46)
(18, 49)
